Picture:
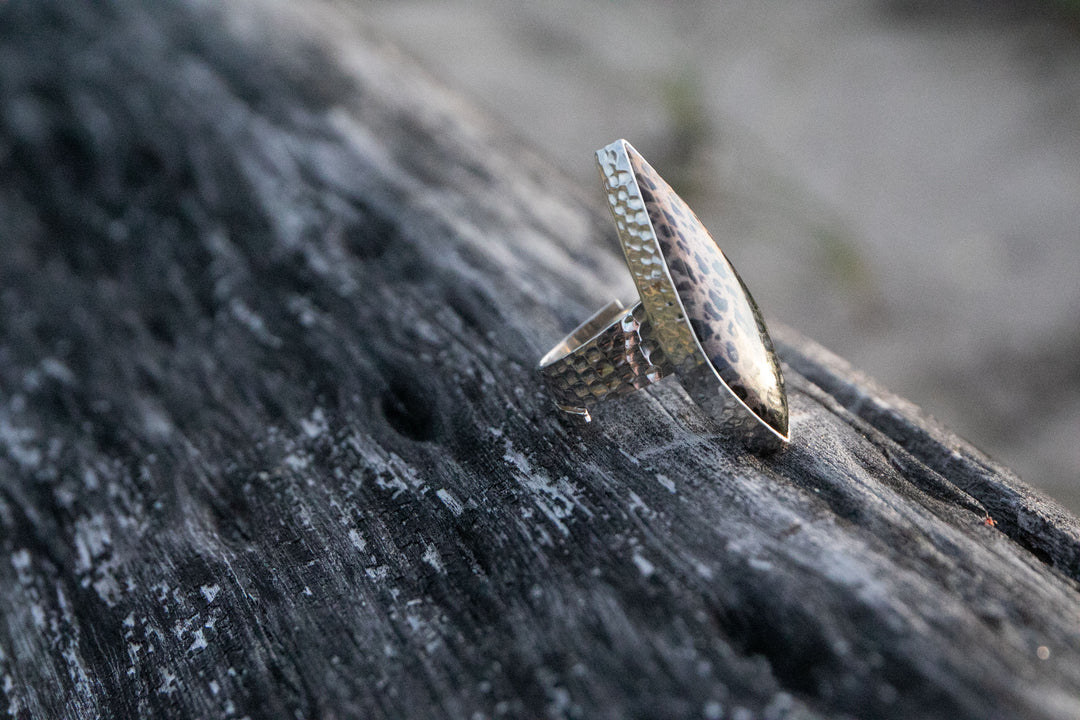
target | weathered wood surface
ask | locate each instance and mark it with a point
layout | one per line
(271, 443)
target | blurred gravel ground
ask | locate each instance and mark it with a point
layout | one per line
(898, 180)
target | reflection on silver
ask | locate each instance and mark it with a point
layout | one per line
(696, 318)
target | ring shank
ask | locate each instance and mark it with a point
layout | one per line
(610, 354)
(615, 352)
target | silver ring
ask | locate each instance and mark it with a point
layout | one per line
(696, 319)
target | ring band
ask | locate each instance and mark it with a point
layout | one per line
(696, 319)
(610, 354)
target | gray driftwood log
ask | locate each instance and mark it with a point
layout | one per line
(272, 445)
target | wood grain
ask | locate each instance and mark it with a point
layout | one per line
(272, 443)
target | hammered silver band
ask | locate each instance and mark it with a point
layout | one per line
(610, 354)
(615, 352)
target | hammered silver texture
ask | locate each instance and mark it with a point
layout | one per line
(720, 310)
(695, 319)
(613, 353)
(731, 416)
(642, 251)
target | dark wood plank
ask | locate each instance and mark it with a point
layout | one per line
(272, 445)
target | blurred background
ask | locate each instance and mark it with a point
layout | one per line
(898, 180)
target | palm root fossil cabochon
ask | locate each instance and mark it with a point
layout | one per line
(723, 315)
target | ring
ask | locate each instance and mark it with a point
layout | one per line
(695, 318)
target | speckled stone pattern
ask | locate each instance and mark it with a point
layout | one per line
(622, 357)
(723, 315)
(643, 256)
